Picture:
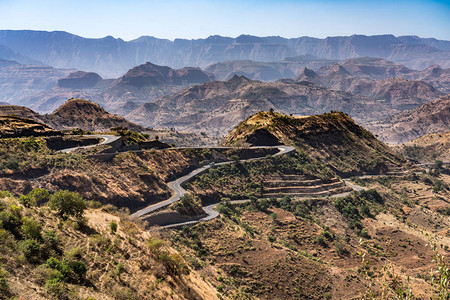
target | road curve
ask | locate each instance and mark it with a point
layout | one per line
(178, 191)
(107, 139)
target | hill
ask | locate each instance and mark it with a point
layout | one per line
(75, 113)
(80, 256)
(428, 148)
(12, 126)
(322, 137)
(111, 57)
(147, 82)
(432, 117)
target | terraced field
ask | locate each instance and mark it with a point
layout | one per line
(302, 187)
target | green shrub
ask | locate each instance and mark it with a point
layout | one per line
(55, 287)
(39, 196)
(113, 226)
(31, 228)
(31, 250)
(79, 269)
(5, 194)
(67, 204)
(4, 287)
(320, 240)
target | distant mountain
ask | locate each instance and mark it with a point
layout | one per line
(218, 106)
(20, 83)
(433, 117)
(374, 78)
(7, 54)
(75, 113)
(112, 57)
(266, 71)
(147, 82)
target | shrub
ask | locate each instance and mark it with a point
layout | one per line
(31, 228)
(31, 250)
(27, 201)
(79, 269)
(113, 226)
(4, 287)
(55, 287)
(5, 194)
(67, 204)
(39, 196)
(320, 240)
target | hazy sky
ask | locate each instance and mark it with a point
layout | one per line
(198, 19)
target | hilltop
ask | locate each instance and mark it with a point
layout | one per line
(75, 113)
(322, 137)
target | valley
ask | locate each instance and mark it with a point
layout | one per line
(242, 167)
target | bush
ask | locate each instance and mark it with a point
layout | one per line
(320, 240)
(79, 269)
(4, 287)
(27, 201)
(67, 204)
(113, 226)
(55, 287)
(31, 250)
(5, 194)
(31, 228)
(39, 196)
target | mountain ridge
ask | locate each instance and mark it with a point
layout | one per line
(65, 50)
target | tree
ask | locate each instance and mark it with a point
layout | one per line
(67, 203)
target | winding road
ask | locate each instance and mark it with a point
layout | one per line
(178, 191)
(107, 139)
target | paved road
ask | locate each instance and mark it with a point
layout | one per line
(107, 139)
(178, 191)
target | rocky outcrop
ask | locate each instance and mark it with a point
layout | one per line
(79, 80)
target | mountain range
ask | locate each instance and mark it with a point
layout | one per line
(111, 57)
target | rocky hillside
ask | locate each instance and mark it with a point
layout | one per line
(75, 113)
(322, 137)
(218, 106)
(93, 253)
(12, 126)
(374, 78)
(428, 148)
(147, 82)
(429, 118)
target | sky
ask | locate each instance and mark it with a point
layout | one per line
(129, 19)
